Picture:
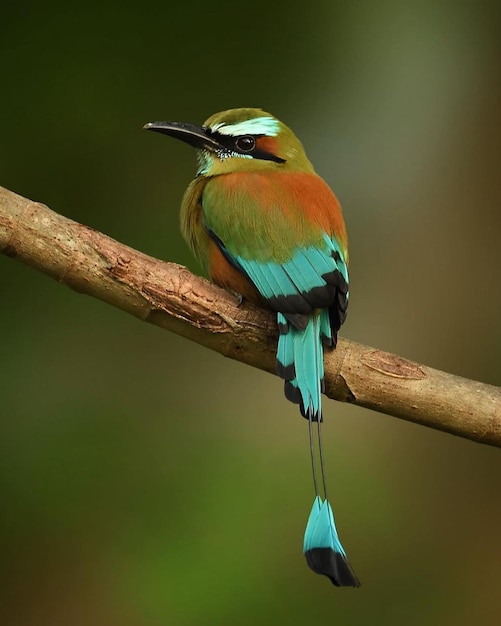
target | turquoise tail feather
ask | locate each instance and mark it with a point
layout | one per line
(300, 363)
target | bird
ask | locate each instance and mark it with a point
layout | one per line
(265, 226)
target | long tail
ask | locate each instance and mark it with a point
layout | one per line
(300, 364)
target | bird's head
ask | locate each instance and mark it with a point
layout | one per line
(240, 140)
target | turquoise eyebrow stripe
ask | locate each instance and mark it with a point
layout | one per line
(265, 125)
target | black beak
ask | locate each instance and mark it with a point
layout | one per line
(196, 136)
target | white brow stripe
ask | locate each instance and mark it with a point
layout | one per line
(268, 126)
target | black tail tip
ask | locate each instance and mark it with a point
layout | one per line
(293, 394)
(309, 414)
(332, 564)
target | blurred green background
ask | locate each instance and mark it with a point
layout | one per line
(148, 481)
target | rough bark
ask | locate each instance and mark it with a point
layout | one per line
(168, 295)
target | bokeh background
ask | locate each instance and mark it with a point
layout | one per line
(147, 481)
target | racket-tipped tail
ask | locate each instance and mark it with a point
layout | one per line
(323, 550)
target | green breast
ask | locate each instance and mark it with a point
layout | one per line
(256, 217)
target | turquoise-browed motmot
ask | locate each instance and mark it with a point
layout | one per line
(265, 225)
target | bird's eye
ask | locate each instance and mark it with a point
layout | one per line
(246, 143)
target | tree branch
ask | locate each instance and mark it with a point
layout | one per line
(169, 296)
